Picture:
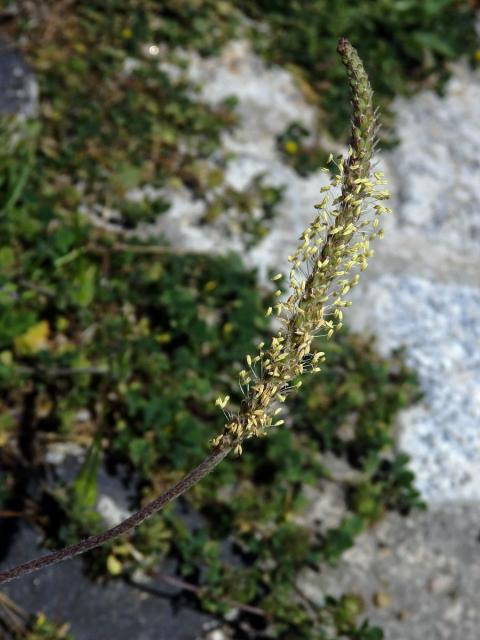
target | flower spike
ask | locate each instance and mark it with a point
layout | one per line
(324, 268)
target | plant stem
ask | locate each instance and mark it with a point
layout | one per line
(192, 588)
(183, 485)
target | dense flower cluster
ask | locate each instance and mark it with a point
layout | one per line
(326, 265)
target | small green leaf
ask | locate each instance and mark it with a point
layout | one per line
(83, 289)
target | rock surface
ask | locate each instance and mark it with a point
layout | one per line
(113, 610)
(19, 89)
(439, 326)
(144, 609)
(419, 576)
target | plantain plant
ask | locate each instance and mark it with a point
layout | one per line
(197, 296)
(325, 267)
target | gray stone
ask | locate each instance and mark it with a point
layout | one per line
(439, 326)
(117, 610)
(426, 563)
(19, 88)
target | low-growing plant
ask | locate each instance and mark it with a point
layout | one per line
(403, 44)
(126, 115)
(21, 626)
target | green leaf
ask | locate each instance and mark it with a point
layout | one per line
(83, 289)
(85, 486)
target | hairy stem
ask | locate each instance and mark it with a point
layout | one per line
(183, 485)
